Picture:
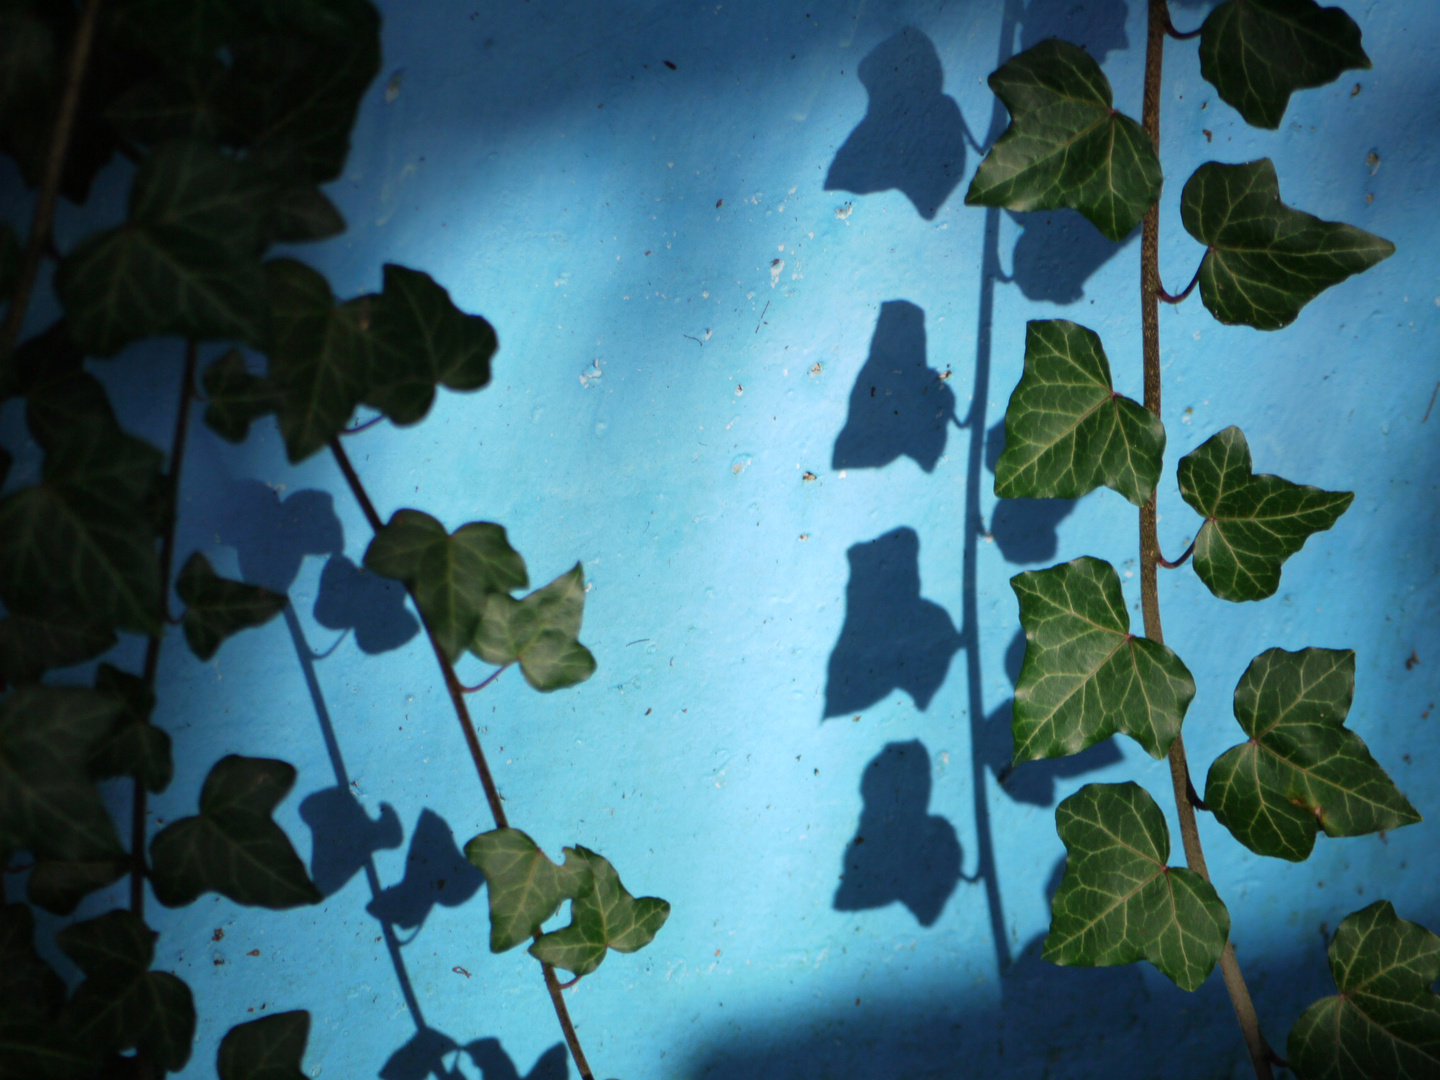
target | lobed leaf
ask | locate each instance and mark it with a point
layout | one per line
(540, 631)
(134, 747)
(59, 886)
(1302, 770)
(1085, 676)
(217, 607)
(1266, 260)
(1253, 523)
(34, 1044)
(525, 887)
(1066, 146)
(1258, 52)
(185, 102)
(30, 67)
(1066, 430)
(604, 916)
(1119, 902)
(175, 32)
(236, 398)
(1385, 1022)
(53, 637)
(270, 1048)
(302, 212)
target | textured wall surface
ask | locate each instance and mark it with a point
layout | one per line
(755, 354)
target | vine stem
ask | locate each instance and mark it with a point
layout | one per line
(457, 692)
(1158, 25)
(1175, 298)
(43, 218)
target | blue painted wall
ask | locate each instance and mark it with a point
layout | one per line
(726, 250)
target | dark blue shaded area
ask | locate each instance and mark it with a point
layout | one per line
(435, 873)
(343, 837)
(426, 1055)
(495, 1064)
(271, 536)
(900, 851)
(1025, 530)
(1056, 253)
(352, 598)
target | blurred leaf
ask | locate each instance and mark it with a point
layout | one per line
(420, 339)
(32, 1045)
(1067, 432)
(270, 1048)
(47, 355)
(604, 916)
(1266, 260)
(1066, 146)
(122, 1004)
(1085, 676)
(540, 631)
(135, 747)
(1257, 52)
(217, 607)
(233, 847)
(48, 803)
(30, 64)
(1119, 902)
(1385, 1022)
(9, 261)
(175, 32)
(58, 887)
(525, 887)
(451, 575)
(54, 637)
(185, 102)
(302, 213)
(1253, 523)
(236, 397)
(1301, 769)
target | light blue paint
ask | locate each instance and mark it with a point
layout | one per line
(633, 311)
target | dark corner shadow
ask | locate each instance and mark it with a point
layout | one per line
(900, 851)
(425, 1056)
(892, 638)
(912, 136)
(352, 598)
(899, 406)
(1025, 530)
(435, 873)
(343, 837)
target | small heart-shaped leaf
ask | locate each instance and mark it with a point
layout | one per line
(525, 887)
(605, 916)
(217, 607)
(540, 632)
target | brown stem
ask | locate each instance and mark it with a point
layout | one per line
(1158, 26)
(1175, 298)
(44, 215)
(467, 728)
(1168, 564)
(485, 681)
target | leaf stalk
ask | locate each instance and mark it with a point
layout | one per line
(1175, 298)
(1172, 565)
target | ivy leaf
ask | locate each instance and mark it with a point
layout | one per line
(270, 1048)
(1257, 52)
(48, 804)
(53, 637)
(30, 67)
(526, 888)
(1266, 260)
(217, 607)
(1066, 146)
(540, 631)
(1119, 902)
(47, 356)
(451, 575)
(175, 31)
(1253, 523)
(233, 847)
(303, 213)
(122, 1004)
(236, 398)
(32, 1045)
(58, 887)
(1085, 676)
(135, 747)
(186, 102)
(9, 261)
(184, 263)
(1385, 1022)
(1301, 770)
(1066, 430)
(604, 916)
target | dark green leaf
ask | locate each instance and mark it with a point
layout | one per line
(540, 632)
(1067, 432)
(185, 262)
(58, 887)
(9, 261)
(1085, 676)
(236, 398)
(217, 607)
(451, 575)
(175, 32)
(30, 66)
(53, 637)
(421, 338)
(182, 103)
(302, 213)
(135, 747)
(233, 847)
(48, 355)
(1253, 523)
(48, 803)
(604, 916)
(1385, 1022)
(1302, 770)
(270, 1048)
(1065, 145)
(1257, 52)
(1266, 260)
(44, 1052)
(122, 1004)
(526, 888)
(31, 991)
(1119, 902)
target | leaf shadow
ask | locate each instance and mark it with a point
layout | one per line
(425, 1053)
(352, 598)
(435, 873)
(343, 836)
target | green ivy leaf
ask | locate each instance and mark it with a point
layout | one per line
(1257, 52)
(1266, 260)
(122, 1004)
(540, 631)
(9, 261)
(1253, 523)
(451, 575)
(1385, 1022)
(217, 607)
(1066, 146)
(135, 747)
(604, 916)
(33, 1046)
(184, 263)
(303, 213)
(233, 847)
(1301, 770)
(1119, 902)
(30, 65)
(47, 356)
(186, 102)
(1085, 676)
(175, 32)
(54, 637)
(48, 803)
(526, 888)
(236, 398)
(58, 887)
(270, 1048)
(1066, 430)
